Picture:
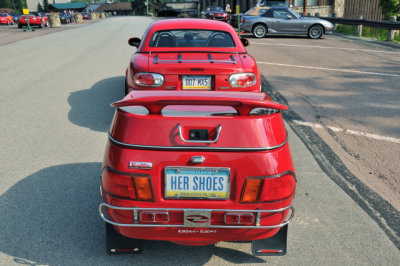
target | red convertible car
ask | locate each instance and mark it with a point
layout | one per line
(191, 54)
(5, 18)
(37, 19)
(196, 168)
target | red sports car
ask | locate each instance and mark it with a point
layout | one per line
(6, 19)
(191, 54)
(196, 168)
(38, 19)
(217, 13)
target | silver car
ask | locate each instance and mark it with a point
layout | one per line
(282, 20)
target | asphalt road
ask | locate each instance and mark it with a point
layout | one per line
(55, 96)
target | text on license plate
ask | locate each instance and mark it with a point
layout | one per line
(191, 182)
(196, 82)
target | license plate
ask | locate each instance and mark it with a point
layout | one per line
(196, 182)
(196, 82)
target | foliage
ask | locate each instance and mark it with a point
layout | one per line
(39, 7)
(390, 7)
(46, 6)
(17, 5)
(139, 7)
(376, 33)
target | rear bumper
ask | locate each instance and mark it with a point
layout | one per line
(180, 233)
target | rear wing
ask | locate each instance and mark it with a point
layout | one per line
(242, 102)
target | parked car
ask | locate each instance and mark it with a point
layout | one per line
(85, 15)
(66, 17)
(176, 168)
(191, 54)
(217, 13)
(15, 16)
(254, 11)
(5, 18)
(281, 20)
(35, 19)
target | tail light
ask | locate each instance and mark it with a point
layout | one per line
(268, 189)
(127, 186)
(149, 79)
(243, 20)
(242, 80)
(154, 216)
(239, 218)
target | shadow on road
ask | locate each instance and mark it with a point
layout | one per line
(51, 217)
(91, 108)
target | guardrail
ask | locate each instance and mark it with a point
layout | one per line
(359, 22)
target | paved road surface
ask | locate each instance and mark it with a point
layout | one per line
(54, 117)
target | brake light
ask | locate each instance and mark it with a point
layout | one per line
(276, 189)
(149, 79)
(127, 186)
(242, 80)
(243, 20)
(268, 189)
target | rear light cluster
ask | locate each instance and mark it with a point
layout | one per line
(149, 79)
(127, 186)
(239, 218)
(154, 216)
(268, 189)
(242, 80)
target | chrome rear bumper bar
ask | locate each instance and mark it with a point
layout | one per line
(136, 211)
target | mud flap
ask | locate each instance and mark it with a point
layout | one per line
(273, 246)
(119, 244)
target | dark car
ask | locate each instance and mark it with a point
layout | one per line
(66, 17)
(15, 16)
(217, 13)
(85, 15)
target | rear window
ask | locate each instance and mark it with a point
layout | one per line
(191, 38)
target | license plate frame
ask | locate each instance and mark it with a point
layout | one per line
(192, 82)
(190, 173)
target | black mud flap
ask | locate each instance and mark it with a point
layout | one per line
(273, 246)
(119, 244)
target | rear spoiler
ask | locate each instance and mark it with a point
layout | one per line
(155, 101)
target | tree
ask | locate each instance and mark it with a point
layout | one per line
(390, 7)
(46, 6)
(39, 7)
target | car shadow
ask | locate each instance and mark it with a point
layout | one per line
(91, 108)
(51, 217)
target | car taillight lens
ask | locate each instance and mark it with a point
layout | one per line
(127, 186)
(268, 189)
(149, 79)
(243, 20)
(242, 80)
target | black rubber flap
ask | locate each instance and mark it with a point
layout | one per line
(273, 246)
(119, 244)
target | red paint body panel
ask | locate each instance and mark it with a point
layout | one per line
(153, 138)
(174, 62)
(7, 19)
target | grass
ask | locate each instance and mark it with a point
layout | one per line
(376, 33)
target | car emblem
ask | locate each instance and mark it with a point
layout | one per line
(198, 159)
(197, 218)
(140, 165)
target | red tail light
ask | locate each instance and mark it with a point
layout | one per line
(268, 189)
(242, 80)
(149, 79)
(127, 186)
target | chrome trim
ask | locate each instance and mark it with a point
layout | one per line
(199, 141)
(184, 209)
(198, 159)
(195, 147)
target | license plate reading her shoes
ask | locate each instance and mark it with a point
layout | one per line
(200, 183)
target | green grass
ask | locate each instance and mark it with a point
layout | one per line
(376, 33)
